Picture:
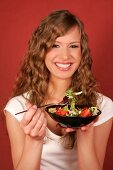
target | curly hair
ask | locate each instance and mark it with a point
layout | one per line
(34, 76)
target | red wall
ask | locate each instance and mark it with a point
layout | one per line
(19, 18)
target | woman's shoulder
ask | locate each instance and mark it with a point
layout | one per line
(104, 101)
(17, 104)
(106, 106)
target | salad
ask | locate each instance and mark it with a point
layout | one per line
(71, 109)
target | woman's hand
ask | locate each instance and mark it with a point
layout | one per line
(34, 123)
(83, 128)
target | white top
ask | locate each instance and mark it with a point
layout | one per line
(54, 155)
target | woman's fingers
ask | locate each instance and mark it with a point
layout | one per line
(34, 123)
(70, 130)
(28, 115)
(85, 128)
(38, 124)
(29, 127)
(40, 129)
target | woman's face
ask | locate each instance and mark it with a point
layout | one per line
(64, 57)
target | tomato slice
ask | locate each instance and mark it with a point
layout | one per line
(85, 112)
(61, 112)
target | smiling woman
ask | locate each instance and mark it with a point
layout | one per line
(63, 59)
(58, 58)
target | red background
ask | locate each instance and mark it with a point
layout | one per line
(18, 20)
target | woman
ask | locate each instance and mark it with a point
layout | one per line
(58, 58)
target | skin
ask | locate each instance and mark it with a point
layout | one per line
(27, 136)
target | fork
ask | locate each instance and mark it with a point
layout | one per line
(46, 105)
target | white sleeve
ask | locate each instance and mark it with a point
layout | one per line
(106, 108)
(15, 105)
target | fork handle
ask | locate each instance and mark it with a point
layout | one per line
(21, 112)
(37, 108)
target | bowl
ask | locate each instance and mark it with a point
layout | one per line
(71, 121)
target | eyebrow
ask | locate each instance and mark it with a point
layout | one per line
(70, 42)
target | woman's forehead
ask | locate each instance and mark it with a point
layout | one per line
(72, 35)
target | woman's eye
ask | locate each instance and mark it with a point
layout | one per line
(55, 46)
(74, 46)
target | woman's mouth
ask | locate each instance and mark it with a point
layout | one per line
(63, 66)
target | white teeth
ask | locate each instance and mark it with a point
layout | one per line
(63, 65)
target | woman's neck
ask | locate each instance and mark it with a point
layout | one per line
(57, 88)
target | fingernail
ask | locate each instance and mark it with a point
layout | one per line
(83, 128)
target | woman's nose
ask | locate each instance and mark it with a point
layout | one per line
(65, 53)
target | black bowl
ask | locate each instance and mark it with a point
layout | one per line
(73, 121)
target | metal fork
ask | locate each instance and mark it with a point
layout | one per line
(46, 105)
